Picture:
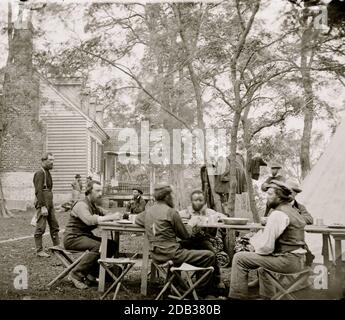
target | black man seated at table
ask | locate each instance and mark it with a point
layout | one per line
(85, 216)
(203, 237)
(164, 226)
(279, 247)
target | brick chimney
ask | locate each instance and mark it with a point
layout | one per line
(99, 115)
(92, 108)
(71, 87)
(85, 101)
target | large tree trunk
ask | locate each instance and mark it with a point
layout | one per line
(306, 48)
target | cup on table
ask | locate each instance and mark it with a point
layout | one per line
(319, 222)
(132, 218)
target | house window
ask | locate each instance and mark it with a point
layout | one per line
(93, 154)
(99, 158)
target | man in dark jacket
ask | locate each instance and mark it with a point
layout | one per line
(137, 204)
(164, 226)
(43, 184)
(85, 216)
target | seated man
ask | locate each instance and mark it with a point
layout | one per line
(137, 204)
(84, 217)
(279, 247)
(205, 238)
(163, 226)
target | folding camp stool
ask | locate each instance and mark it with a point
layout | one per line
(125, 264)
(292, 282)
(189, 270)
(66, 258)
(164, 270)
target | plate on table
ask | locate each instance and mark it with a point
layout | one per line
(235, 221)
(337, 226)
(124, 222)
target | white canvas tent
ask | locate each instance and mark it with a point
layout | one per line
(324, 188)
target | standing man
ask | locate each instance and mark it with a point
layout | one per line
(275, 168)
(85, 216)
(137, 204)
(44, 205)
(163, 226)
(279, 247)
(77, 187)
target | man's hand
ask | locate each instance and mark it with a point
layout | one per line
(194, 221)
(114, 216)
(44, 211)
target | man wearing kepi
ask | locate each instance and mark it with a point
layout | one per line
(44, 205)
(85, 216)
(279, 247)
(163, 226)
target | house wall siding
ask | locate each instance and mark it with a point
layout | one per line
(66, 138)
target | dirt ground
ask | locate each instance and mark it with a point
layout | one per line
(41, 271)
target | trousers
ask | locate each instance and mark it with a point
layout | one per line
(243, 262)
(41, 228)
(179, 255)
(204, 244)
(89, 263)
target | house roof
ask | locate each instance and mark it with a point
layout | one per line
(93, 124)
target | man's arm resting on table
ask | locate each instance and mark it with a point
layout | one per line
(264, 241)
(81, 210)
(140, 219)
(182, 231)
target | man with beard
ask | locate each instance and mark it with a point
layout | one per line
(275, 168)
(163, 226)
(44, 205)
(205, 238)
(137, 204)
(279, 247)
(85, 216)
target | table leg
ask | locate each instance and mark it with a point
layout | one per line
(117, 240)
(145, 266)
(104, 244)
(325, 250)
(338, 256)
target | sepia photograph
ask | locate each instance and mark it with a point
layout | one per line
(172, 150)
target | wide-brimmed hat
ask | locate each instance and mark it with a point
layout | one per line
(77, 176)
(138, 189)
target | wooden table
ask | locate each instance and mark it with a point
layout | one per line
(107, 227)
(117, 228)
(325, 231)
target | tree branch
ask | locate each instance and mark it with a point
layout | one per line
(132, 76)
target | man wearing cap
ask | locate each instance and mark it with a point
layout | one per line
(43, 184)
(275, 168)
(278, 247)
(77, 187)
(164, 227)
(137, 204)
